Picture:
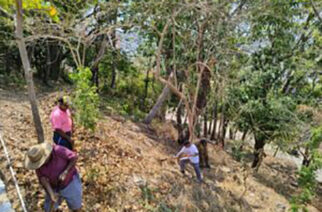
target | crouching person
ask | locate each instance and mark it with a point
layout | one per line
(189, 154)
(56, 171)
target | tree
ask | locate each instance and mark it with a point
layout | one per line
(28, 72)
(270, 88)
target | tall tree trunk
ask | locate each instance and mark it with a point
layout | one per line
(214, 126)
(146, 86)
(258, 151)
(244, 135)
(113, 80)
(48, 64)
(28, 73)
(205, 129)
(231, 133)
(179, 122)
(224, 130)
(163, 96)
(210, 125)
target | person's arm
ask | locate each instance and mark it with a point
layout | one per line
(44, 182)
(179, 153)
(71, 164)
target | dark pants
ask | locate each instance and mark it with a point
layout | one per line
(59, 140)
(196, 167)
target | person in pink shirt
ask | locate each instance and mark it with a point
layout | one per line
(62, 124)
(56, 172)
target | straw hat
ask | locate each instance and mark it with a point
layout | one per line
(37, 155)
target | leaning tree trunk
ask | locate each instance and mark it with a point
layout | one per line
(28, 73)
(258, 151)
(153, 112)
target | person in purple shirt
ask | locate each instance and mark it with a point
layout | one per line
(56, 171)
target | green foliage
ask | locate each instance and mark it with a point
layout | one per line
(237, 153)
(307, 174)
(134, 94)
(86, 99)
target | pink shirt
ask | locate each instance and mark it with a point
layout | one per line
(61, 119)
(60, 157)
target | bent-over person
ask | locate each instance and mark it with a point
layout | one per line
(56, 171)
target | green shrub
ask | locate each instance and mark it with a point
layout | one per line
(85, 99)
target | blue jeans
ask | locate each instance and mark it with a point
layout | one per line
(72, 193)
(62, 141)
(196, 167)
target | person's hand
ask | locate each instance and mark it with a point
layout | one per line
(62, 176)
(54, 197)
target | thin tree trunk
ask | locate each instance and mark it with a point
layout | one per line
(224, 130)
(205, 129)
(244, 135)
(179, 121)
(47, 69)
(231, 133)
(243, 139)
(28, 73)
(214, 126)
(146, 86)
(113, 72)
(210, 125)
(164, 95)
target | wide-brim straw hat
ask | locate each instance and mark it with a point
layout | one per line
(37, 155)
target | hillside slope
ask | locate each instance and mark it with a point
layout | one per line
(121, 168)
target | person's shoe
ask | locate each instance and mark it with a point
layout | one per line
(183, 172)
(208, 166)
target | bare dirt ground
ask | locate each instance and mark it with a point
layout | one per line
(121, 168)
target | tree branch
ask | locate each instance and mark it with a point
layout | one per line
(4, 13)
(316, 11)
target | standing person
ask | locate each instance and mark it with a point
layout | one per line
(62, 124)
(56, 171)
(189, 154)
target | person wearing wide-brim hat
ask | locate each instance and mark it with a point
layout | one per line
(56, 171)
(62, 123)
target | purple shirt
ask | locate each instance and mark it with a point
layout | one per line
(60, 157)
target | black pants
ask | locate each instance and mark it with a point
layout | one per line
(59, 140)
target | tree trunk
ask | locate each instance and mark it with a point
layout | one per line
(179, 122)
(205, 129)
(113, 72)
(258, 151)
(224, 130)
(231, 133)
(210, 126)
(164, 95)
(28, 73)
(244, 135)
(243, 139)
(213, 134)
(306, 158)
(146, 86)
(48, 61)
